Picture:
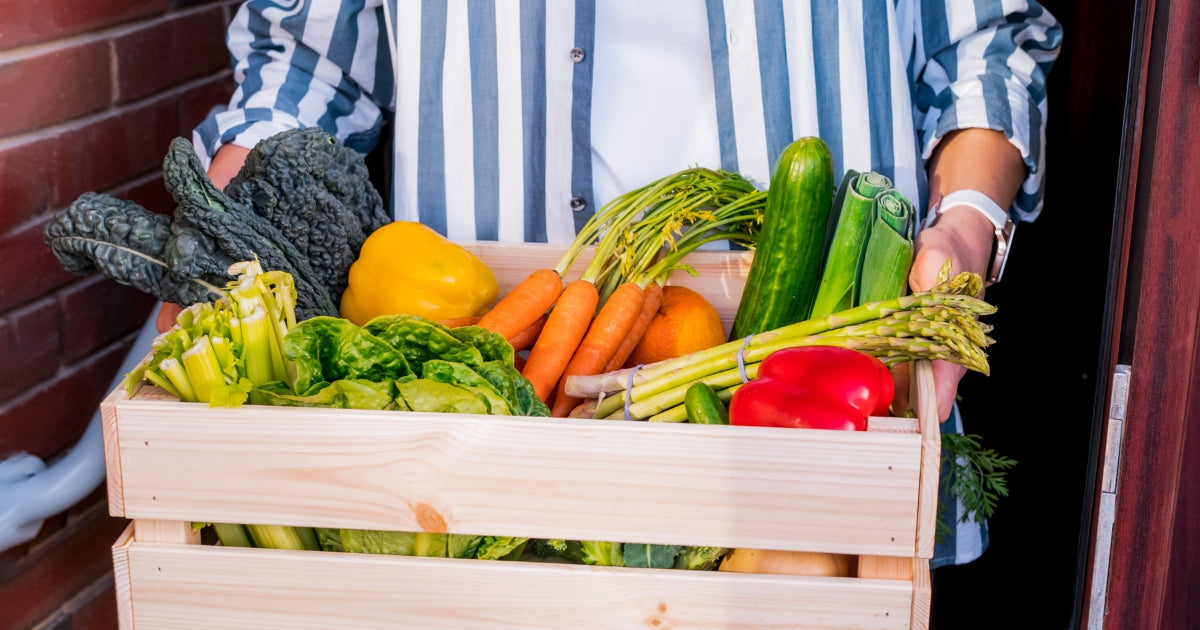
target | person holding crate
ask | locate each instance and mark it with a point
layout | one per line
(515, 121)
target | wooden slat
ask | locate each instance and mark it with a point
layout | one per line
(849, 492)
(120, 555)
(931, 455)
(178, 587)
(112, 460)
(178, 532)
(922, 602)
(885, 567)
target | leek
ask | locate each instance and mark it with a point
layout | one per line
(849, 228)
(889, 251)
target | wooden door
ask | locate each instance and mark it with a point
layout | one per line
(1152, 579)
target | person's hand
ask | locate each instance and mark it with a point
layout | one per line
(225, 165)
(167, 313)
(964, 236)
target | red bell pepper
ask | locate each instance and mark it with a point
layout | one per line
(817, 387)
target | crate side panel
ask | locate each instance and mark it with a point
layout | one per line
(849, 492)
(121, 579)
(190, 588)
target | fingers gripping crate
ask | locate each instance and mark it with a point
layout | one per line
(869, 494)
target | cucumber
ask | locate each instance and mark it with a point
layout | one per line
(783, 278)
(703, 406)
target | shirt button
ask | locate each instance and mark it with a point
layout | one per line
(577, 54)
(578, 204)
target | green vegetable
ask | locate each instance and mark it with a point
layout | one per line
(869, 248)
(649, 556)
(218, 351)
(284, 537)
(940, 324)
(700, 558)
(125, 241)
(303, 204)
(593, 552)
(232, 535)
(889, 251)
(850, 219)
(703, 406)
(783, 278)
(977, 476)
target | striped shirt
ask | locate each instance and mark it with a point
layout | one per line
(515, 120)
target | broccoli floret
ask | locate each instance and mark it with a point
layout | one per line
(700, 558)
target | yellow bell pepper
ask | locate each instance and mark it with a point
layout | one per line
(406, 267)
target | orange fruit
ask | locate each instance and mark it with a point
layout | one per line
(686, 322)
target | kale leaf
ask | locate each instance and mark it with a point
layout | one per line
(124, 241)
(303, 204)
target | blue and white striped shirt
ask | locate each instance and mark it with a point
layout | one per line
(515, 120)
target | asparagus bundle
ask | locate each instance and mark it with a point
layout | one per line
(939, 324)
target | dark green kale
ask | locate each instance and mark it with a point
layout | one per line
(126, 242)
(318, 192)
(240, 232)
(302, 204)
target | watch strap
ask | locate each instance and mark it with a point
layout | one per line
(1001, 222)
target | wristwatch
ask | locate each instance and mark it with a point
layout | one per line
(1002, 222)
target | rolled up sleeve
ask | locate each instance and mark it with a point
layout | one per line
(986, 65)
(322, 63)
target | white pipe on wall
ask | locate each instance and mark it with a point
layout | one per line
(32, 491)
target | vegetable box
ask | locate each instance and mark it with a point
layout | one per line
(871, 494)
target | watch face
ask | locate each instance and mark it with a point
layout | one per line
(1004, 238)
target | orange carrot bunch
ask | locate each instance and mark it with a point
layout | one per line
(591, 324)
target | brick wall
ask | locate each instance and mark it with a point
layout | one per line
(91, 94)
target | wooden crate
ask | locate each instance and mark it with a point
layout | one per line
(871, 494)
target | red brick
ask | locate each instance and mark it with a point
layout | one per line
(198, 100)
(29, 22)
(95, 607)
(28, 269)
(114, 149)
(52, 416)
(96, 312)
(169, 52)
(44, 89)
(49, 580)
(26, 172)
(29, 341)
(148, 192)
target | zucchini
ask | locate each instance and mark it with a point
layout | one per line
(784, 274)
(703, 405)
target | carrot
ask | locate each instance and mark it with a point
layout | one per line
(527, 337)
(654, 292)
(610, 326)
(456, 322)
(565, 327)
(527, 301)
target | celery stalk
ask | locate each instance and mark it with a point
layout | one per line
(283, 537)
(174, 371)
(203, 369)
(158, 379)
(256, 347)
(232, 535)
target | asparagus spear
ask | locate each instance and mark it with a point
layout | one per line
(940, 324)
